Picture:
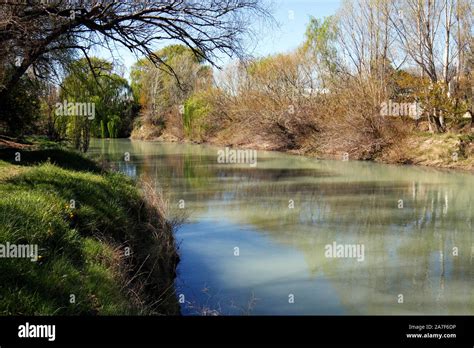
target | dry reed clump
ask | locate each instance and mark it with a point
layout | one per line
(158, 258)
(350, 123)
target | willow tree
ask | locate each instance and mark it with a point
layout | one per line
(108, 91)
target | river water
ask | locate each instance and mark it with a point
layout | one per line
(296, 235)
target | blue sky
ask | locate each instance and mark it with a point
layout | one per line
(292, 17)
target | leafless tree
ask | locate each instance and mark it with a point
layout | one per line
(37, 35)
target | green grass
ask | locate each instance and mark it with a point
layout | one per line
(81, 248)
(58, 156)
(42, 142)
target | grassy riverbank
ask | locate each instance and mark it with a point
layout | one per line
(104, 245)
(447, 150)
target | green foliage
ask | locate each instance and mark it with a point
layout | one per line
(258, 66)
(102, 129)
(112, 126)
(196, 108)
(321, 35)
(42, 142)
(74, 257)
(21, 108)
(110, 94)
(160, 89)
(434, 97)
(170, 53)
(56, 155)
(137, 77)
(35, 210)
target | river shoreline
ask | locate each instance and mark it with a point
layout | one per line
(418, 151)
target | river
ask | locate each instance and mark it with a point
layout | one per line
(265, 239)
